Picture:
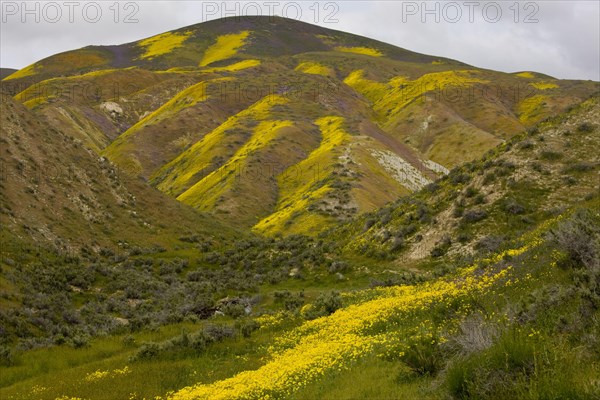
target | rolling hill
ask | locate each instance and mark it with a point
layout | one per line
(281, 126)
(262, 208)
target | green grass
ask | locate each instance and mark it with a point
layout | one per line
(371, 378)
(36, 370)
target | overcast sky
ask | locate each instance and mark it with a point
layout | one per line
(559, 38)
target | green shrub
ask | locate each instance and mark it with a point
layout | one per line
(325, 304)
(492, 373)
(474, 215)
(458, 211)
(458, 178)
(490, 177)
(512, 206)
(471, 192)
(338, 266)
(199, 341)
(526, 145)
(147, 351)
(517, 366)
(432, 187)
(550, 155)
(79, 341)
(463, 237)
(369, 222)
(579, 237)
(7, 358)
(234, 310)
(294, 302)
(247, 327)
(397, 244)
(128, 340)
(489, 244)
(441, 247)
(218, 333)
(479, 199)
(579, 167)
(585, 127)
(424, 356)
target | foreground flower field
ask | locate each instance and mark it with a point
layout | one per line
(335, 342)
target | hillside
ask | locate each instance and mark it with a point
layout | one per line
(64, 209)
(57, 194)
(481, 204)
(280, 131)
(353, 314)
(4, 72)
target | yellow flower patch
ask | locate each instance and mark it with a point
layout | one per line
(238, 66)
(335, 342)
(315, 69)
(360, 50)
(22, 73)
(162, 44)
(526, 74)
(544, 85)
(531, 108)
(225, 47)
(300, 184)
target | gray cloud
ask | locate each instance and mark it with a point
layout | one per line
(564, 42)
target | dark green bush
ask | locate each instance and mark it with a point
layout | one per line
(550, 155)
(459, 178)
(325, 304)
(585, 127)
(247, 327)
(338, 266)
(218, 333)
(441, 247)
(474, 215)
(489, 244)
(233, 310)
(579, 167)
(424, 356)
(147, 351)
(7, 358)
(512, 206)
(369, 222)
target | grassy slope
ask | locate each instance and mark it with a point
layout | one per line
(406, 334)
(514, 186)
